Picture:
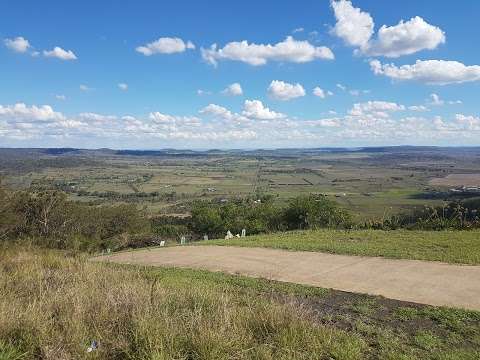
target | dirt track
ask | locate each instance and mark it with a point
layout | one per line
(409, 280)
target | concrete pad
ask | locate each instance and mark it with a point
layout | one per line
(433, 283)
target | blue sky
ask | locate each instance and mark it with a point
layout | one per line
(144, 74)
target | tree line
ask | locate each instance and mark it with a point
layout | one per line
(47, 218)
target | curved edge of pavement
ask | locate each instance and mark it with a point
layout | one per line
(432, 283)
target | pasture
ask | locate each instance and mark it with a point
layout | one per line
(372, 183)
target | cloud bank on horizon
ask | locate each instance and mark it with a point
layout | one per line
(346, 82)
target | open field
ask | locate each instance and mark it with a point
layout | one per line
(423, 282)
(457, 180)
(462, 247)
(53, 304)
(371, 182)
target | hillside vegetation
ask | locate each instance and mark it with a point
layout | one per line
(54, 304)
(49, 219)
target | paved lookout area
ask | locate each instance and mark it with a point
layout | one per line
(425, 282)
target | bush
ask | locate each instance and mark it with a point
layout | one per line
(303, 212)
(206, 219)
(170, 227)
(214, 219)
(311, 212)
(52, 221)
(454, 216)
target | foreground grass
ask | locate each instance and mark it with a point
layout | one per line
(52, 305)
(449, 246)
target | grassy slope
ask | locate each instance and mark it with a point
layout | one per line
(448, 246)
(52, 305)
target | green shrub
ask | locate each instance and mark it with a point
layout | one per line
(303, 212)
(170, 227)
(453, 216)
(311, 212)
(52, 221)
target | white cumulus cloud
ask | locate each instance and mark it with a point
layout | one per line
(221, 112)
(356, 28)
(24, 112)
(289, 50)
(19, 44)
(319, 92)
(216, 110)
(284, 91)
(405, 38)
(378, 108)
(418, 108)
(165, 45)
(435, 72)
(60, 53)
(234, 89)
(373, 122)
(379, 105)
(256, 110)
(100, 118)
(353, 25)
(173, 120)
(468, 122)
(123, 86)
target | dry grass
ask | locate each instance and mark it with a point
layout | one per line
(53, 305)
